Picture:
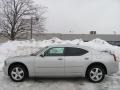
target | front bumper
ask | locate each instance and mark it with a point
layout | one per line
(5, 70)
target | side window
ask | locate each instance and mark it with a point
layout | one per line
(70, 51)
(57, 51)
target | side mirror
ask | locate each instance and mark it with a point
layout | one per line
(42, 55)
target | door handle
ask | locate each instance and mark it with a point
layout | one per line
(60, 59)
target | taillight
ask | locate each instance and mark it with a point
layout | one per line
(114, 57)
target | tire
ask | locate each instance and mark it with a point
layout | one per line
(18, 73)
(95, 74)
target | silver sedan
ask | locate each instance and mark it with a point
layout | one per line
(62, 61)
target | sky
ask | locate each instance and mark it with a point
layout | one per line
(82, 16)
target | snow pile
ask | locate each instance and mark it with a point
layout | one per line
(102, 45)
(99, 44)
(16, 48)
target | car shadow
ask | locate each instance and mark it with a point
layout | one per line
(81, 80)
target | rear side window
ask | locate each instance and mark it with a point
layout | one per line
(70, 51)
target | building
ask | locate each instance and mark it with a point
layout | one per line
(111, 38)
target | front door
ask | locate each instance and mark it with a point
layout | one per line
(52, 64)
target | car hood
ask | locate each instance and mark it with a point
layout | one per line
(23, 56)
(19, 58)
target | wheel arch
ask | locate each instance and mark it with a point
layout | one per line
(96, 64)
(18, 63)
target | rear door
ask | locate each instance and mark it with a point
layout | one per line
(76, 59)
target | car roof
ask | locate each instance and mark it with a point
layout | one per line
(70, 45)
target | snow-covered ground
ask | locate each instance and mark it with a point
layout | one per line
(16, 48)
(109, 83)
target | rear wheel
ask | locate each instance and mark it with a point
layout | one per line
(95, 74)
(18, 73)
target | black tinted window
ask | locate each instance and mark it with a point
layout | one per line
(69, 51)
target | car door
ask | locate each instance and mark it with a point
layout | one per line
(52, 63)
(76, 60)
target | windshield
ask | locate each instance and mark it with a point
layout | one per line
(36, 53)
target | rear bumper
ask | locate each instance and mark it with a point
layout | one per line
(113, 68)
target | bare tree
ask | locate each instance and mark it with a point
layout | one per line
(14, 13)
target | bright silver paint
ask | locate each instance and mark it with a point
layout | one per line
(63, 66)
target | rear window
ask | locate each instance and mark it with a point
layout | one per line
(71, 51)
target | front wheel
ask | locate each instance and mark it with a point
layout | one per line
(95, 74)
(18, 73)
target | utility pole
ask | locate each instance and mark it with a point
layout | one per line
(31, 28)
(32, 22)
